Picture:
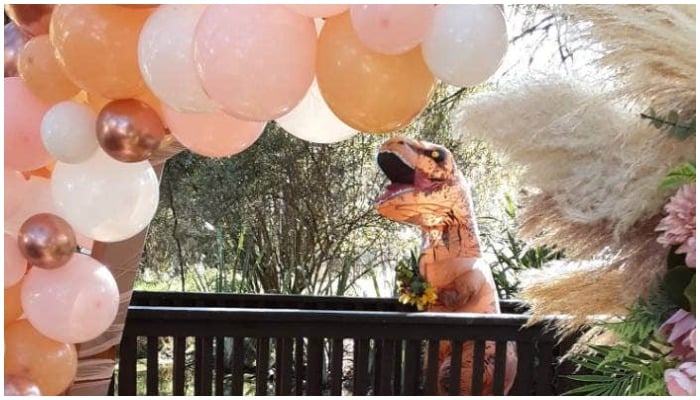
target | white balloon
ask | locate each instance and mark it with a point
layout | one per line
(313, 121)
(105, 199)
(71, 304)
(167, 61)
(68, 131)
(466, 44)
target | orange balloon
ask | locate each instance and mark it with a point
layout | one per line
(13, 303)
(43, 172)
(370, 92)
(97, 46)
(48, 363)
(97, 102)
(41, 72)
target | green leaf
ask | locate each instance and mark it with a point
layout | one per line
(675, 283)
(679, 176)
(690, 294)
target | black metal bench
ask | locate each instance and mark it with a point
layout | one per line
(307, 345)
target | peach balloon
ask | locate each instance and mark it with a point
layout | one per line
(391, 28)
(41, 72)
(24, 150)
(255, 61)
(50, 364)
(15, 263)
(13, 303)
(213, 135)
(71, 304)
(36, 192)
(318, 10)
(96, 45)
(14, 186)
(97, 102)
(368, 91)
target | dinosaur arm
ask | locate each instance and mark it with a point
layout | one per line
(463, 290)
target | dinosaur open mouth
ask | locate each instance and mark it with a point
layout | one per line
(400, 173)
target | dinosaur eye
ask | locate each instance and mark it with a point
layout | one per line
(436, 155)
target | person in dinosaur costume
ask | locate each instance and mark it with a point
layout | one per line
(428, 190)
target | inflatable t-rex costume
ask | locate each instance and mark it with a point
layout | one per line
(427, 190)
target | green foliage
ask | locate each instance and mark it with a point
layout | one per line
(675, 283)
(672, 123)
(512, 256)
(679, 176)
(635, 366)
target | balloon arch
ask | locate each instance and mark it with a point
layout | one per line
(94, 93)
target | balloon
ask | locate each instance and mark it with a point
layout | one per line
(466, 44)
(318, 10)
(23, 112)
(97, 102)
(255, 61)
(213, 135)
(68, 132)
(105, 199)
(16, 385)
(46, 240)
(391, 28)
(368, 91)
(314, 122)
(48, 363)
(33, 19)
(14, 42)
(129, 130)
(14, 184)
(71, 304)
(15, 263)
(96, 45)
(41, 72)
(36, 198)
(13, 303)
(166, 59)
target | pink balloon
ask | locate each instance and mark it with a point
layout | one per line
(391, 28)
(15, 263)
(14, 186)
(71, 304)
(318, 10)
(212, 135)
(24, 150)
(255, 61)
(36, 198)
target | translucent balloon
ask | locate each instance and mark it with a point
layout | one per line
(15, 263)
(38, 67)
(213, 135)
(14, 186)
(24, 150)
(13, 303)
(166, 59)
(96, 45)
(14, 42)
(71, 304)
(318, 10)
(466, 44)
(255, 61)
(68, 132)
(313, 121)
(391, 28)
(50, 364)
(370, 92)
(105, 199)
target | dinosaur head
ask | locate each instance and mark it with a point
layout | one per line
(426, 189)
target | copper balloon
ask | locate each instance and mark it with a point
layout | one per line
(129, 130)
(14, 42)
(33, 19)
(47, 240)
(16, 385)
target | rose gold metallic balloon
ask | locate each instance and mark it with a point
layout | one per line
(129, 130)
(46, 240)
(16, 385)
(14, 42)
(33, 19)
